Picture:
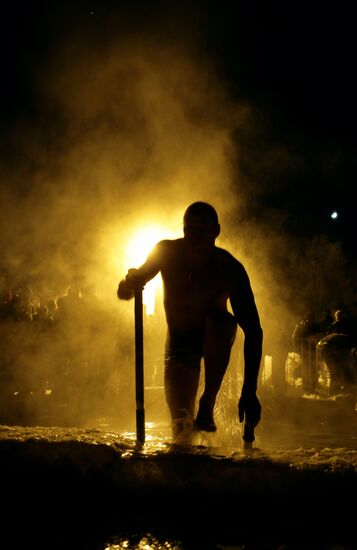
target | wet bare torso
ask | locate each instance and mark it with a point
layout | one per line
(193, 283)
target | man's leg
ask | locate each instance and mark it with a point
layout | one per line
(181, 385)
(221, 330)
(183, 354)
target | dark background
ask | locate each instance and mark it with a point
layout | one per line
(294, 62)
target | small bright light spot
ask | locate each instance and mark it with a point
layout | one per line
(334, 215)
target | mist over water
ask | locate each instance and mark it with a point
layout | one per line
(130, 128)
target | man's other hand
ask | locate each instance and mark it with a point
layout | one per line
(249, 409)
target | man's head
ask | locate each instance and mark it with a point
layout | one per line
(200, 224)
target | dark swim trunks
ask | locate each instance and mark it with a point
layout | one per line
(184, 347)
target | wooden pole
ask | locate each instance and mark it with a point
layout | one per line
(139, 367)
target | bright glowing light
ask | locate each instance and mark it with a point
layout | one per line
(142, 243)
(138, 249)
(334, 215)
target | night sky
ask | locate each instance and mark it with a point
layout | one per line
(293, 62)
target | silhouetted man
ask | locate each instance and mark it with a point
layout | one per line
(198, 280)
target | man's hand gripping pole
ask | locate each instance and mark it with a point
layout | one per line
(249, 409)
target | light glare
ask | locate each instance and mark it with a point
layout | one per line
(138, 249)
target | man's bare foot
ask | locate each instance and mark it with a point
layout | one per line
(204, 421)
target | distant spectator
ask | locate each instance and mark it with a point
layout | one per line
(305, 337)
(337, 350)
(22, 308)
(341, 324)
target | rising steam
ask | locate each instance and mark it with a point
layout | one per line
(130, 131)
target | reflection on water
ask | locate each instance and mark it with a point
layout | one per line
(147, 542)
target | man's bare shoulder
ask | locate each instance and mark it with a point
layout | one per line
(167, 248)
(234, 273)
(228, 260)
(169, 245)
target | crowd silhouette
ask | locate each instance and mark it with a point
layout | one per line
(64, 345)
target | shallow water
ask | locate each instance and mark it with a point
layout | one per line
(94, 487)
